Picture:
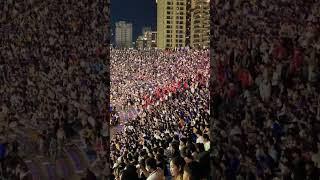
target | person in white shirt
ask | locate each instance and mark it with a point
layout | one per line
(151, 170)
(265, 90)
(206, 141)
(199, 137)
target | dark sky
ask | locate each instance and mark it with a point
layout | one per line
(139, 12)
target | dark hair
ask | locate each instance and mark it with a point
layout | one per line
(179, 162)
(192, 147)
(184, 140)
(187, 152)
(175, 145)
(152, 163)
(143, 152)
(159, 157)
(200, 147)
(176, 138)
(160, 150)
(205, 164)
(206, 137)
(142, 162)
(131, 168)
(193, 169)
(129, 174)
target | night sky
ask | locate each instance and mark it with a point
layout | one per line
(139, 12)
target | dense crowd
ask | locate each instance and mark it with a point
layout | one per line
(265, 98)
(170, 135)
(141, 78)
(266, 94)
(53, 58)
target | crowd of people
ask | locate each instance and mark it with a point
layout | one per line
(53, 71)
(265, 97)
(169, 137)
(140, 78)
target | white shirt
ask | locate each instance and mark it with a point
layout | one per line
(156, 175)
(200, 139)
(207, 146)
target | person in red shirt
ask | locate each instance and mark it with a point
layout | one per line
(297, 60)
(245, 78)
(179, 84)
(279, 52)
(185, 85)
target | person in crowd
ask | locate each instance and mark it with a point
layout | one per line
(130, 172)
(170, 113)
(48, 82)
(206, 141)
(191, 171)
(265, 125)
(177, 165)
(154, 172)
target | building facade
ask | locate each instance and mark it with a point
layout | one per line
(182, 23)
(147, 40)
(154, 39)
(188, 22)
(123, 35)
(200, 24)
(171, 23)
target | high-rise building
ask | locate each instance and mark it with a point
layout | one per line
(147, 40)
(188, 22)
(171, 23)
(200, 24)
(154, 39)
(123, 34)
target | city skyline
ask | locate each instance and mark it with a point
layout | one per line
(140, 14)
